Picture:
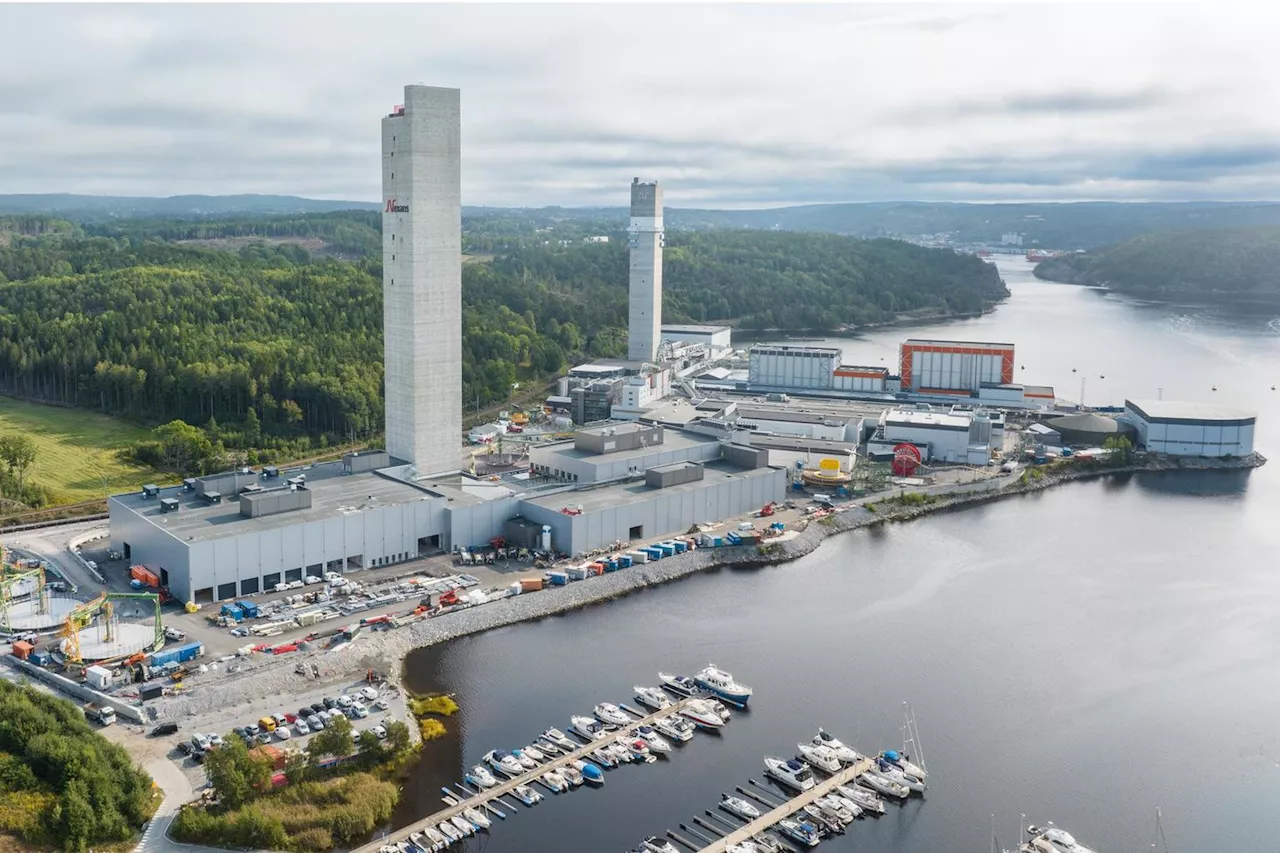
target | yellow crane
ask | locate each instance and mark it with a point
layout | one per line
(10, 582)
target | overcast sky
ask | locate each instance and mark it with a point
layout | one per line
(726, 105)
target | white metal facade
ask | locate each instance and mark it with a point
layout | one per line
(811, 368)
(863, 379)
(717, 339)
(1198, 433)
(422, 278)
(954, 371)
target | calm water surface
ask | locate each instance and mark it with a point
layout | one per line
(1082, 655)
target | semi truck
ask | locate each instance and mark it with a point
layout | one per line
(103, 715)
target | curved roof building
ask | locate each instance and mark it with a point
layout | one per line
(1089, 429)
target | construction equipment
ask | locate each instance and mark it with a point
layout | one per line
(11, 582)
(82, 617)
(766, 510)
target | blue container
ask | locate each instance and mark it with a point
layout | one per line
(163, 657)
(668, 549)
(190, 651)
(250, 609)
(610, 565)
(624, 562)
(654, 552)
(681, 547)
(41, 658)
(135, 583)
(559, 578)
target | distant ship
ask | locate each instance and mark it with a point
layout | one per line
(984, 253)
(1038, 255)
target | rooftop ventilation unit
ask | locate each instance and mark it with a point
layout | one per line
(168, 504)
(189, 484)
(150, 490)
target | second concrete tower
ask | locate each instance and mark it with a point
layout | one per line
(644, 324)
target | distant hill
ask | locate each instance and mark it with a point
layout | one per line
(1230, 263)
(81, 207)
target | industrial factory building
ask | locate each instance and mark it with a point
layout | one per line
(950, 367)
(717, 339)
(959, 435)
(1191, 429)
(1088, 430)
(797, 368)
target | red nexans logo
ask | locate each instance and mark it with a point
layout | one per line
(392, 207)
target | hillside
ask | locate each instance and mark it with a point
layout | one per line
(1227, 263)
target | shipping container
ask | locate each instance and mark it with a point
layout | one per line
(530, 584)
(190, 651)
(41, 658)
(163, 657)
(98, 677)
(610, 565)
(596, 568)
(145, 575)
(151, 691)
(559, 578)
(578, 573)
(681, 545)
(638, 556)
(250, 609)
(22, 650)
(274, 757)
(733, 538)
(624, 561)
(232, 611)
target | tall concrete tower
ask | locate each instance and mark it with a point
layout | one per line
(644, 324)
(422, 278)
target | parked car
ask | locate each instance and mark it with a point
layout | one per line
(215, 740)
(369, 693)
(379, 731)
(164, 729)
(360, 710)
(316, 722)
(198, 756)
(295, 585)
(239, 731)
(264, 737)
(382, 704)
(304, 712)
(239, 632)
(310, 579)
(253, 729)
(280, 719)
(291, 718)
(185, 747)
(317, 707)
(280, 587)
(330, 702)
(302, 727)
(200, 742)
(344, 701)
(283, 733)
(174, 634)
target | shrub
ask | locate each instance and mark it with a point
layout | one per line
(440, 705)
(431, 729)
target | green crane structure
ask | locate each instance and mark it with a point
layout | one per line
(10, 582)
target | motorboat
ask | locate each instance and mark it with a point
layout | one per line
(770, 843)
(587, 728)
(438, 841)
(682, 685)
(403, 847)
(548, 748)
(621, 751)
(590, 773)
(449, 831)
(607, 712)
(654, 844)
(478, 817)
(654, 740)
(836, 805)
(554, 781)
(639, 749)
(533, 752)
(854, 808)
(702, 715)
(866, 800)
(739, 807)
(676, 728)
(804, 834)
(1051, 839)
(571, 774)
(463, 825)
(723, 685)
(719, 708)
(525, 760)
(420, 842)
(905, 764)
(604, 756)
(892, 771)
(820, 757)
(527, 795)
(846, 754)
(504, 762)
(480, 777)
(887, 787)
(794, 774)
(652, 697)
(558, 738)
(819, 817)
(744, 847)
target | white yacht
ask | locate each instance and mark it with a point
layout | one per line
(526, 761)
(607, 712)
(478, 817)
(791, 773)
(636, 746)
(836, 805)
(587, 728)
(621, 751)
(681, 685)
(854, 808)
(895, 773)
(554, 781)
(434, 836)
(803, 834)
(819, 817)
(449, 831)
(504, 762)
(676, 728)
(604, 756)
(846, 754)
(533, 752)
(654, 844)
(463, 825)
(480, 777)
(527, 795)
(906, 765)
(722, 684)
(652, 697)
(738, 806)
(703, 715)
(887, 787)
(558, 738)
(868, 801)
(571, 774)
(1051, 839)
(769, 843)
(548, 748)
(655, 741)
(744, 847)
(719, 708)
(820, 757)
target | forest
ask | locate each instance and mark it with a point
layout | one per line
(268, 342)
(62, 784)
(1228, 264)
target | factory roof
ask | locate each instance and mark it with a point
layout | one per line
(918, 419)
(796, 416)
(671, 411)
(693, 328)
(1086, 422)
(1173, 411)
(671, 440)
(790, 348)
(332, 493)
(623, 494)
(946, 343)
(800, 443)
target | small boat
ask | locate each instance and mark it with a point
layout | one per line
(681, 685)
(652, 697)
(504, 762)
(449, 831)
(533, 752)
(794, 774)
(853, 808)
(903, 763)
(676, 728)
(654, 844)
(527, 795)
(1051, 839)
(820, 757)
(525, 760)
(654, 740)
(607, 712)
(621, 751)
(558, 738)
(835, 805)
(604, 756)
(802, 833)
(887, 787)
(554, 781)
(590, 773)
(571, 774)
(738, 806)
(846, 754)
(894, 773)
(480, 777)
(723, 685)
(587, 728)
(463, 825)
(702, 715)
(744, 847)
(438, 841)
(638, 748)
(719, 708)
(770, 843)
(477, 817)
(866, 800)
(819, 817)
(549, 748)
(418, 840)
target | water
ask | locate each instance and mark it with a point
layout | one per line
(1081, 655)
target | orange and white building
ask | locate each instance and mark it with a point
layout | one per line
(953, 367)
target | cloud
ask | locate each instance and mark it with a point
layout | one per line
(727, 105)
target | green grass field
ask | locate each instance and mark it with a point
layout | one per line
(76, 449)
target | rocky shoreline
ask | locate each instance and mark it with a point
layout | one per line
(386, 651)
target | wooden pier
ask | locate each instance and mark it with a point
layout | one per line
(788, 808)
(480, 799)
